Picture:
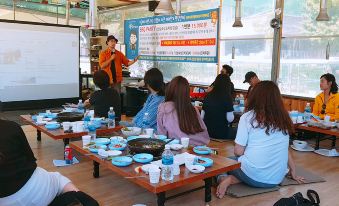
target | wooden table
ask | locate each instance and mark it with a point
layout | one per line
(60, 134)
(221, 165)
(334, 133)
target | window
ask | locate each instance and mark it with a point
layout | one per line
(251, 44)
(249, 55)
(304, 44)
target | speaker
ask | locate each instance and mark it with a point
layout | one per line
(152, 5)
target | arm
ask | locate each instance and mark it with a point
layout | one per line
(230, 117)
(153, 110)
(133, 61)
(291, 166)
(238, 150)
(87, 103)
(316, 108)
(209, 89)
(137, 120)
(242, 137)
(336, 109)
(160, 124)
(202, 114)
(105, 62)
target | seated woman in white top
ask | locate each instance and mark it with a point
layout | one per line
(262, 140)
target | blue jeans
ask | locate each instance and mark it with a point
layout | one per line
(240, 175)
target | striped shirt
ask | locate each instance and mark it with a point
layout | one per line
(151, 107)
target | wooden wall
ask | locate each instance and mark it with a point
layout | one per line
(291, 103)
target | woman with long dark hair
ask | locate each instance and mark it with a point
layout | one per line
(154, 81)
(327, 102)
(218, 109)
(177, 117)
(262, 140)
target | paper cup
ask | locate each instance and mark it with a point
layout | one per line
(86, 139)
(242, 109)
(189, 161)
(294, 119)
(154, 175)
(66, 125)
(197, 103)
(185, 141)
(300, 119)
(80, 127)
(176, 168)
(149, 132)
(327, 118)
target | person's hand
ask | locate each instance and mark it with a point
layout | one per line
(299, 179)
(136, 58)
(112, 57)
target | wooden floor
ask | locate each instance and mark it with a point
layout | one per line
(111, 189)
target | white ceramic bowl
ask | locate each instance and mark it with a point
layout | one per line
(176, 146)
(132, 131)
(299, 144)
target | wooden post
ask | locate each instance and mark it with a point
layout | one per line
(277, 42)
(219, 33)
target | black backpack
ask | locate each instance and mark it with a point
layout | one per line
(298, 199)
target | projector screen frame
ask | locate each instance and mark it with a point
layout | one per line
(42, 103)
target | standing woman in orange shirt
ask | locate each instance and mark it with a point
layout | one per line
(327, 102)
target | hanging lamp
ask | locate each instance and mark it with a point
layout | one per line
(237, 22)
(323, 16)
(164, 7)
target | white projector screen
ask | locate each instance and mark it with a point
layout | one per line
(38, 62)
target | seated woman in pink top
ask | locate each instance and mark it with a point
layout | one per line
(178, 118)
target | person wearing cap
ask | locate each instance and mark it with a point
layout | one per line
(251, 78)
(111, 61)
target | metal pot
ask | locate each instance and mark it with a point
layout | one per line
(70, 116)
(146, 145)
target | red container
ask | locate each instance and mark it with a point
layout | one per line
(68, 155)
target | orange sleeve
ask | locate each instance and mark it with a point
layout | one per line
(316, 108)
(336, 109)
(102, 59)
(124, 60)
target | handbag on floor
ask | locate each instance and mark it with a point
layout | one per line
(298, 199)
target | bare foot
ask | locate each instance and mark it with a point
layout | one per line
(222, 187)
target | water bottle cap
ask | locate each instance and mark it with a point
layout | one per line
(111, 108)
(80, 100)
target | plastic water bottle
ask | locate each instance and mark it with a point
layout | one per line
(307, 112)
(167, 164)
(146, 121)
(81, 106)
(87, 119)
(241, 100)
(111, 118)
(92, 132)
(237, 100)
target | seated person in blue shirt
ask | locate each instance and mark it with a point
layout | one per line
(104, 98)
(217, 110)
(262, 140)
(154, 81)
